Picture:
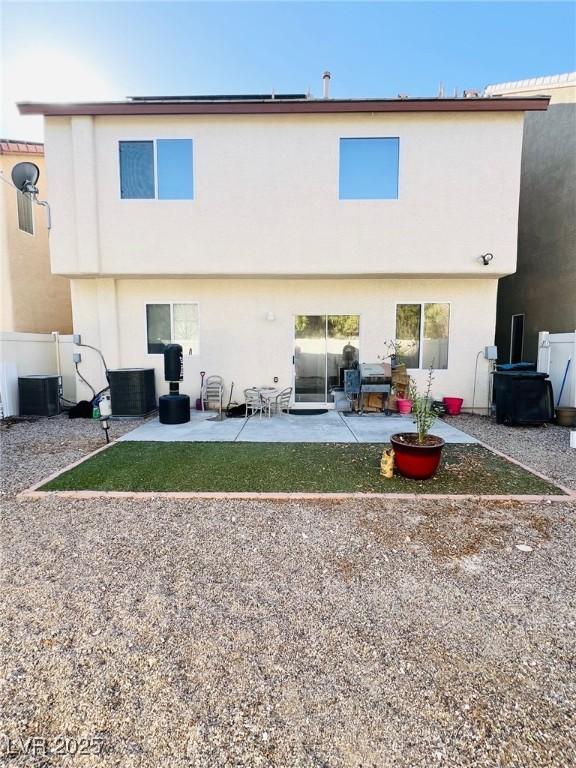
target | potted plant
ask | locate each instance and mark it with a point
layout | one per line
(417, 454)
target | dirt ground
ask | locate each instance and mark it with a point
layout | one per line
(357, 633)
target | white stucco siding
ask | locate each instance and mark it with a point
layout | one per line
(238, 342)
(266, 197)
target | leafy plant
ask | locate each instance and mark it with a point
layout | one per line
(391, 349)
(423, 409)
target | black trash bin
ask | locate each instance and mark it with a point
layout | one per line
(523, 397)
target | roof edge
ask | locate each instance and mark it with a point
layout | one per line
(276, 106)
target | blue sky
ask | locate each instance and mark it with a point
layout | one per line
(84, 50)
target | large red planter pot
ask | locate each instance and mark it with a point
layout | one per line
(413, 460)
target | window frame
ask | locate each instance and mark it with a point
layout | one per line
(19, 195)
(156, 199)
(421, 340)
(370, 199)
(195, 353)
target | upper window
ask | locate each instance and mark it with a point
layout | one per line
(422, 335)
(369, 169)
(172, 324)
(25, 214)
(159, 169)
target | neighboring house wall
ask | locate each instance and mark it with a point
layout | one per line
(33, 299)
(544, 286)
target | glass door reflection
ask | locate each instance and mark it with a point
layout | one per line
(325, 345)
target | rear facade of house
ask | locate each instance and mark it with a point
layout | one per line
(280, 239)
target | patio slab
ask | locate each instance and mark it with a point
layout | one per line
(199, 428)
(378, 429)
(330, 427)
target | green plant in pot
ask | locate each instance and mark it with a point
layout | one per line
(417, 454)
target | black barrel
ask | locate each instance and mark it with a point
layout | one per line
(173, 369)
(174, 409)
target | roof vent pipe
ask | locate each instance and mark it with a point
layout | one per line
(326, 80)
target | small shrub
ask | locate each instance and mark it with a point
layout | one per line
(424, 411)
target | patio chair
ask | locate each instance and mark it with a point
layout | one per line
(212, 392)
(282, 401)
(254, 402)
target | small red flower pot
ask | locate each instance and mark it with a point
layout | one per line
(404, 406)
(453, 405)
(417, 461)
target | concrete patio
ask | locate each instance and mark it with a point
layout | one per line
(330, 427)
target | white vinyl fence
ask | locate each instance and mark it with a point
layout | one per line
(556, 355)
(23, 354)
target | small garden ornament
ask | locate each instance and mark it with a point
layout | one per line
(387, 463)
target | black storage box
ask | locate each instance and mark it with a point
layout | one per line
(39, 395)
(132, 391)
(523, 397)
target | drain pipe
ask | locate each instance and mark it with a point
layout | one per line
(56, 335)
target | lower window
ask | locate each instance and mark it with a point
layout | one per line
(173, 323)
(422, 332)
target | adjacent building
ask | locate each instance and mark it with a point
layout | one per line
(280, 238)
(541, 294)
(33, 298)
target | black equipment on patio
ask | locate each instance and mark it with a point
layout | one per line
(523, 397)
(173, 363)
(174, 408)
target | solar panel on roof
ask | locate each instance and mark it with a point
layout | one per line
(226, 97)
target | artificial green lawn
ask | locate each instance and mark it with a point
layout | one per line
(316, 467)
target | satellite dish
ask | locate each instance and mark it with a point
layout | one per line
(25, 176)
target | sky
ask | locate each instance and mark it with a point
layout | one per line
(85, 50)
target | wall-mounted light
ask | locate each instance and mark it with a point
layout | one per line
(486, 258)
(271, 316)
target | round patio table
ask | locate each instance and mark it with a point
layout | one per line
(268, 394)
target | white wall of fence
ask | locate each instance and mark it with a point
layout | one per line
(557, 358)
(23, 354)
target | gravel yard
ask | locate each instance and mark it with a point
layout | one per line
(546, 448)
(321, 635)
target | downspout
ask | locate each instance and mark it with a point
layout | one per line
(56, 335)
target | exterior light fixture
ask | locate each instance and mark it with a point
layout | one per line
(271, 316)
(105, 426)
(486, 258)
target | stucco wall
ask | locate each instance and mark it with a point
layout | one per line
(239, 343)
(33, 300)
(266, 197)
(544, 287)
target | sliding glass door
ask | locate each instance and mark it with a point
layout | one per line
(325, 345)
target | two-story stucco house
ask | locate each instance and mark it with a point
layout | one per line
(282, 237)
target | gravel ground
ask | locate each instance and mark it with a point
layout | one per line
(216, 634)
(545, 448)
